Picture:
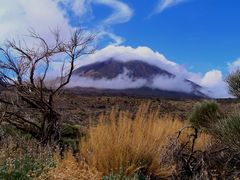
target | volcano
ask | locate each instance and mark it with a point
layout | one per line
(134, 70)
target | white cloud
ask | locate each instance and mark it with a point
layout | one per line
(215, 85)
(122, 12)
(171, 84)
(122, 81)
(116, 40)
(126, 53)
(233, 66)
(165, 4)
(80, 7)
(16, 16)
(212, 78)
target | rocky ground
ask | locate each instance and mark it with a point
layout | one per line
(83, 109)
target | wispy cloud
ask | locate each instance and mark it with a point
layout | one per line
(122, 12)
(165, 4)
(16, 16)
(83, 12)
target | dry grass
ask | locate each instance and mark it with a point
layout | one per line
(204, 141)
(23, 158)
(69, 168)
(122, 143)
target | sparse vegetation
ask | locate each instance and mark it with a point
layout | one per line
(70, 168)
(205, 114)
(21, 157)
(228, 130)
(127, 145)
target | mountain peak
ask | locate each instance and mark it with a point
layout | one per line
(133, 71)
(111, 68)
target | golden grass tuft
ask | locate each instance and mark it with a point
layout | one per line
(121, 142)
(69, 168)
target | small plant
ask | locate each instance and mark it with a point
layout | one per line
(70, 137)
(71, 169)
(205, 114)
(122, 176)
(228, 130)
(25, 168)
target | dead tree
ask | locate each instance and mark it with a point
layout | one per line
(29, 101)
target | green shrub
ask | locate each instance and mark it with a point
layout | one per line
(71, 135)
(228, 130)
(70, 131)
(205, 114)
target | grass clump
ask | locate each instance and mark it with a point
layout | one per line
(69, 168)
(205, 114)
(123, 143)
(122, 176)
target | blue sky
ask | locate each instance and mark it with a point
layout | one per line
(200, 35)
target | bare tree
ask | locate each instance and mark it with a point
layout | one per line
(29, 103)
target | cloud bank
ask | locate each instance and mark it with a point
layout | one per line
(212, 81)
(124, 81)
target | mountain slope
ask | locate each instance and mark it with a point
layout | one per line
(112, 68)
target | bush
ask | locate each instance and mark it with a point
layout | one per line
(70, 137)
(228, 130)
(205, 114)
(233, 81)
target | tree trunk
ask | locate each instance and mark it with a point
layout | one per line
(51, 128)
